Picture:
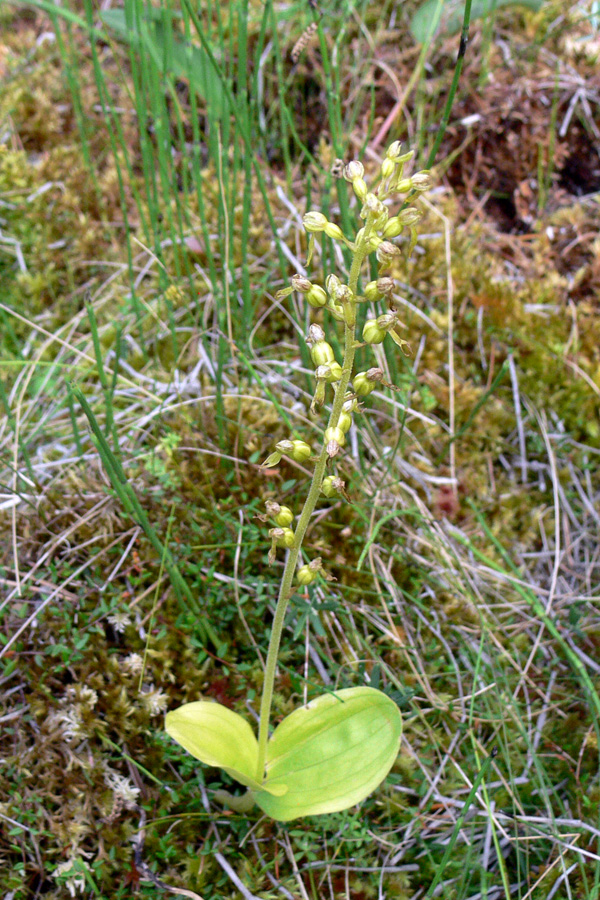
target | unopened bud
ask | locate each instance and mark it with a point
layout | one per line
(335, 434)
(365, 382)
(403, 186)
(359, 186)
(316, 297)
(332, 485)
(282, 515)
(372, 292)
(298, 450)
(386, 252)
(280, 537)
(354, 169)
(315, 334)
(393, 227)
(314, 222)
(332, 283)
(301, 283)
(421, 181)
(345, 422)
(388, 167)
(373, 333)
(386, 285)
(322, 353)
(410, 216)
(334, 231)
(306, 575)
(287, 538)
(301, 451)
(329, 373)
(393, 151)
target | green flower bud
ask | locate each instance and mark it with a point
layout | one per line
(372, 292)
(329, 373)
(314, 222)
(280, 537)
(360, 188)
(335, 434)
(332, 485)
(316, 297)
(403, 186)
(306, 575)
(286, 539)
(388, 167)
(334, 231)
(298, 450)
(393, 151)
(322, 353)
(421, 181)
(365, 382)
(392, 228)
(282, 515)
(301, 451)
(373, 333)
(345, 422)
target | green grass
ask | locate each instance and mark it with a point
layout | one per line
(147, 371)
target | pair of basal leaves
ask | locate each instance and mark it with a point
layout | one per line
(322, 758)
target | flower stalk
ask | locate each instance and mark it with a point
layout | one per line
(375, 214)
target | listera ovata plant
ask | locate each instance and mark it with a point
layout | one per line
(333, 752)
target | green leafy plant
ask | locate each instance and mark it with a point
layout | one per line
(332, 753)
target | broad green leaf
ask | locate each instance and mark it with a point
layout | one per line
(330, 754)
(216, 736)
(425, 21)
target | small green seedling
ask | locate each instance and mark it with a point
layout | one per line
(333, 752)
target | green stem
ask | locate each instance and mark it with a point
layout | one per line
(285, 590)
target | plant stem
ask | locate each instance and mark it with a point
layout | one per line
(285, 590)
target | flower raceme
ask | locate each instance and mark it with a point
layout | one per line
(333, 752)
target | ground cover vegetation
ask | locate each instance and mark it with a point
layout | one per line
(155, 169)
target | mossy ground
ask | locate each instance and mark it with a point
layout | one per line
(466, 562)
